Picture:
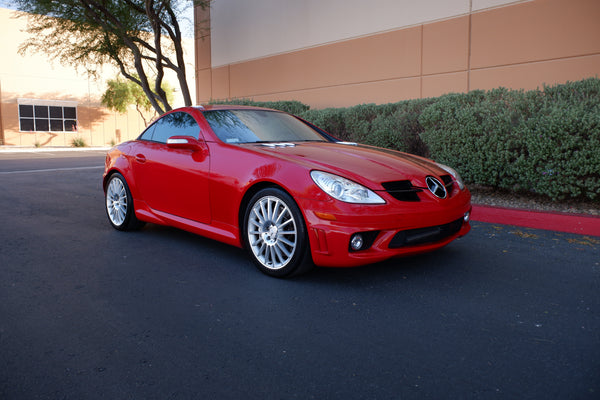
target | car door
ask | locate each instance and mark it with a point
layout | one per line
(173, 180)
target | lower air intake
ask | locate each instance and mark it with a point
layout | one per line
(431, 234)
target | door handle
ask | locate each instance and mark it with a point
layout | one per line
(140, 158)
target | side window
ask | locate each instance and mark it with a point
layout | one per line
(175, 124)
(147, 134)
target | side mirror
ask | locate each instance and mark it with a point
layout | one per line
(185, 142)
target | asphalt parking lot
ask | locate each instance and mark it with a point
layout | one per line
(87, 312)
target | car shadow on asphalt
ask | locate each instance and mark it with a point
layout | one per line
(426, 267)
(180, 245)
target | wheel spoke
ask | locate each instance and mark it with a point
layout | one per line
(267, 258)
(287, 242)
(274, 259)
(277, 207)
(263, 250)
(264, 214)
(287, 233)
(258, 216)
(277, 212)
(255, 239)
(291, 220)
(278, 255)
(284, 212)
(121, 212)
(268, 208)
(280, 248)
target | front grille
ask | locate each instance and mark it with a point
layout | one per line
(431, 234)
(402, 190)
(449, 183)
(405, 191)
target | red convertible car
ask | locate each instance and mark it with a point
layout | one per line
(285, 190)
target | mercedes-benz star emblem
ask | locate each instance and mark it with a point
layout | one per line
(436, 187)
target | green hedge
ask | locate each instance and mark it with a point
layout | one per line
(395, 126)
(540, 141)
(292, 107)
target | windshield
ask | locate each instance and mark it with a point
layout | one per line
(259, 126)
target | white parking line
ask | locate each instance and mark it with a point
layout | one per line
(48, 170)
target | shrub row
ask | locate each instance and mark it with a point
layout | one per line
(395, 126)
(292, 106)
(540, 141)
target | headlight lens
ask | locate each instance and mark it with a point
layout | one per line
(454, 174)
(345, 190)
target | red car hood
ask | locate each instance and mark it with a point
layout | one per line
(357, 162)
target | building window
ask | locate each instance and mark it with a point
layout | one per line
(47, 116)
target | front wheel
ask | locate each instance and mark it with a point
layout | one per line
(119, 204)
(275, 234)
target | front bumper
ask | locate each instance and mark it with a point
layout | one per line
(393, 230)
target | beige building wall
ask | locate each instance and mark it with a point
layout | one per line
(35, 78)
(332, 53)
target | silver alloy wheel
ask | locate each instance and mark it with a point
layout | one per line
(272, 232)
(116, 201)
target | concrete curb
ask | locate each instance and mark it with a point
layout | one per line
(552, 221)
(16, 149)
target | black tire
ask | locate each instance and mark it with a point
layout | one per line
(274, 233)
(118, 204)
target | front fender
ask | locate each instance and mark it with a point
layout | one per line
(118, 161)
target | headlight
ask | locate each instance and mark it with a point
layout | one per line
(345, 190)
(454, 174)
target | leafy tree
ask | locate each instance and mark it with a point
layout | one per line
(143, 38)
(120, 94)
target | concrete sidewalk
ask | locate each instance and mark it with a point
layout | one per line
(29, 149)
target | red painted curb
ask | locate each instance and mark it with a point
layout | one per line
(552, 221)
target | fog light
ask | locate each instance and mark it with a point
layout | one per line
(356, 242)
(467, 216)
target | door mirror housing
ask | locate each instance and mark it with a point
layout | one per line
(186, 142)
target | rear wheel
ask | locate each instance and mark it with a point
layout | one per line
(119, 204)
(275, 234)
